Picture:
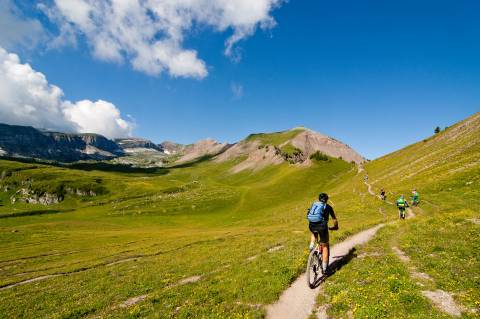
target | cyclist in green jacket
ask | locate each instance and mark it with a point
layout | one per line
(402, 204)
(415, 198)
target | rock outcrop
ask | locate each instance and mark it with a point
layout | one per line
(136, 144)
(171, 148)
(29, 196)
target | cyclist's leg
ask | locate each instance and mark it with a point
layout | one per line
(313, 237)
(324, 241)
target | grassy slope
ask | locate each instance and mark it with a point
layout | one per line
(274, 139)
(161, 227)
(231, 218)
(442, 241)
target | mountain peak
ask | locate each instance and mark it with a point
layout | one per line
(295, 146)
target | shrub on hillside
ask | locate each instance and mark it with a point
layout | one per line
(319, 156)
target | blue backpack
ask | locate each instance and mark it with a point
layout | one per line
(316, 213)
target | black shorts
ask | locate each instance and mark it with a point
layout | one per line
(321, 230)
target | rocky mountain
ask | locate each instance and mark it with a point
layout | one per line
(136, 144)
(140, 152)
(296, 146)
(171, 148)
(309, 142)
(26, 141)
(207, 147)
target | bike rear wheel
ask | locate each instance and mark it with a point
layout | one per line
(314, 268)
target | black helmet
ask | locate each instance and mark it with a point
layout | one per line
(323, 197)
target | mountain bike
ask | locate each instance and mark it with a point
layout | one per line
(314, 265)
(402, 213)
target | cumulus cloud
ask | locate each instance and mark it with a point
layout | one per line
(26, 98)
(17, 30)
(100, 117)
(150, 33)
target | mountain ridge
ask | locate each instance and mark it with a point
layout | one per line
(29, 142)
(295, 146)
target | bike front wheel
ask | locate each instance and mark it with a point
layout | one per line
(314, 268)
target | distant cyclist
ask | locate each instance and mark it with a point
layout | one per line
(415, 198)
(382, 194)
(317, 216)
(402, 204)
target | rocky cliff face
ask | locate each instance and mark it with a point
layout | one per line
(25, 141)
(141, 153)
(131, 145)
(172, 148)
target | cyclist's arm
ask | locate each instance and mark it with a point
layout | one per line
(334, 219)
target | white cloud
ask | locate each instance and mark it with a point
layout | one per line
(237, 90)
(16, 30)
(100, 117)
(150, 33)
(26, 98)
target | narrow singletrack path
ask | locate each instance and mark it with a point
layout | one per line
(298, 300)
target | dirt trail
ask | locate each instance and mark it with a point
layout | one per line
(442, 300)
(410, 213)
(298, 300)
(29, 281)
(369, 187)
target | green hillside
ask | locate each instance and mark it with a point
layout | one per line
(441, 242)
(274, 139)
(195, 240)
(145, 233)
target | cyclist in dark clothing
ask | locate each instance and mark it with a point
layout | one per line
(318, 216)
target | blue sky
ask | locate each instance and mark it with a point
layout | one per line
(377, 75)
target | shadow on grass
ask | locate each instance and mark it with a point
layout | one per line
(335, 266)
(35, 213)
(119, 168)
